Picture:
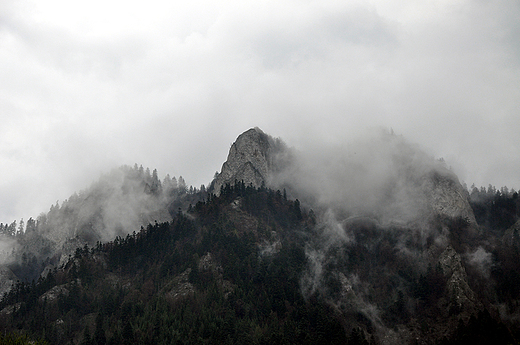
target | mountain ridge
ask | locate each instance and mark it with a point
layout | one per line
(370, 250)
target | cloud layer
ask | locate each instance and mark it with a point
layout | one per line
(90, 86)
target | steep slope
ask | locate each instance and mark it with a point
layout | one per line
(460, 295)
(197, 279)
(253, 158)
(512, 235)
(447, 197)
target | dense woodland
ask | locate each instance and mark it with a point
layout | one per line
(230, 269)
(495, 209)
(126, 291)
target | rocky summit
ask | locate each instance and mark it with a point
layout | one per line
(251, 159)
(415, 188)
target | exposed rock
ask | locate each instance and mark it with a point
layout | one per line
(251, 159)
(461, 297)
(512, 235)
(450, 262)
(48, 269)
(237, 203)
(68, 249)
(7, 279)
(206, 263)
(353, 298)
(447, 197)
(227, 287)
(346, 286)
(418, 189)
(267, 248)
(54, 293)
(10, 308)
(428, 192)
(180, 286)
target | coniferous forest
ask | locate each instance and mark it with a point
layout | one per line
(238, 268)
(197, 279)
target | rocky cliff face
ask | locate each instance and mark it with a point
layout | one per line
(7, 279)
(251, 159)
(391, 179)
(447, 197)
(512, 235)
(462, 298)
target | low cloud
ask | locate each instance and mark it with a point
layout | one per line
(171, 85)
(482, 260)
(379, 175)
(7, 247)
(372, 197)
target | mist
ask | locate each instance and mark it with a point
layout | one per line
(120, 202)
(94, 86)
(378, 174)
(7, 247)
(482, 260)
(380, 202)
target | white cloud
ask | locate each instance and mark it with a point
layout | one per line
(88, 86)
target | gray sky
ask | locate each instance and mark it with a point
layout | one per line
(88, 86)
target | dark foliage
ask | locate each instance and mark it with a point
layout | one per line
(229, 270)
(18, 339)
(481, 329)
(495, 210)
(130, 290)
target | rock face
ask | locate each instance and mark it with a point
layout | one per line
(447, 197)
(512, 235)
(462, 298)
(417, 188)
(7, 279)
(251, 159)
(54, 293)
(180, 286)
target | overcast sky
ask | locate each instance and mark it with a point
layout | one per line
(88, 86)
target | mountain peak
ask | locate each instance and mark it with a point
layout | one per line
(250, 160)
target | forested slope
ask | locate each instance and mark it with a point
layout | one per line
(236, 269)
(226, 272)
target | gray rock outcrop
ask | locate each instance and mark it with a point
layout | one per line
(417, 190)
(252, 158)
(55, 292)
(7, 279)
(180, 286)
(512, 235)
(447, 197)
(461, 296)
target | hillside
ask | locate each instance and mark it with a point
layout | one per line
(119, 203)
(220, 272)
(273, 253)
